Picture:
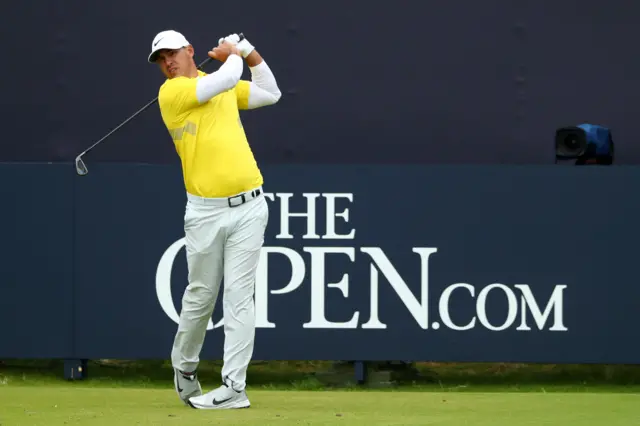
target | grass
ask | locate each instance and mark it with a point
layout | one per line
(291, 393)
(69, 405)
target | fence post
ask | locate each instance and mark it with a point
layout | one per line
(75, 369)
(360, 368)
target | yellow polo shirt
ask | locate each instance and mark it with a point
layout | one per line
(217, 160)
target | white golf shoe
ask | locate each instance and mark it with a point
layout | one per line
(186, 384)
(220, 399)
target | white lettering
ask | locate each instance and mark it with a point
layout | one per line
(262, 281)
(444, 307)
(481, 307)
(555, 303)
(285, 214)
(297, 268)
(374, 320)
(331, 215)
(318, 317)
(418, 309)
(417, 305)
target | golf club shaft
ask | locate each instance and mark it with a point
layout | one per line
(153, 101)
(203, 63)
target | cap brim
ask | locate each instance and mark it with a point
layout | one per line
(154, 54)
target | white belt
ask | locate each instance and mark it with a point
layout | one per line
(232, 201)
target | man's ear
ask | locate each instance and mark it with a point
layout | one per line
(190, 50)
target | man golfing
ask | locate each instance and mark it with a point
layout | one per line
(226, 212)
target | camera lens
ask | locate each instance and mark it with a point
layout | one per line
(571, 142)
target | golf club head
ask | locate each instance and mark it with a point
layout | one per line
(81, 168)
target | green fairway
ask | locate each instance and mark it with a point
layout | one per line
(291, 393)
(80, 405)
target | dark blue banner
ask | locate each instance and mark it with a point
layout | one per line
(441, 263)
(37, 297)
(416, 81)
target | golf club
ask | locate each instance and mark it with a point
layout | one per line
(81, 167)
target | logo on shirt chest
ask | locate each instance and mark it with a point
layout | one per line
(189, 128)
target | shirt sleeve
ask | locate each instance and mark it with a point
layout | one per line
(243, 91)
(177, 96)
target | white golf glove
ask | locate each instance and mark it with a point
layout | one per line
(244, 47)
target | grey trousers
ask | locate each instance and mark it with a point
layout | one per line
(221, 242)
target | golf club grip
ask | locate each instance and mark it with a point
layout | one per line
(206, 61)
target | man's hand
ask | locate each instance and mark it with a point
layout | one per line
(244, 47)
(223, 51)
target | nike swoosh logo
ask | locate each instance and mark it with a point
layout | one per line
(179, 389)
(156, 43)
(221, 402)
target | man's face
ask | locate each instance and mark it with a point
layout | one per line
(176, 62)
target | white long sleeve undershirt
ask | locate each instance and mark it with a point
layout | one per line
(225, 78)
(263, 91)
(264, 88)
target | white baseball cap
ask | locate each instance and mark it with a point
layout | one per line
(169, 39)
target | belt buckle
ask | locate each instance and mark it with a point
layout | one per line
(253, 194)
(241, 196)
